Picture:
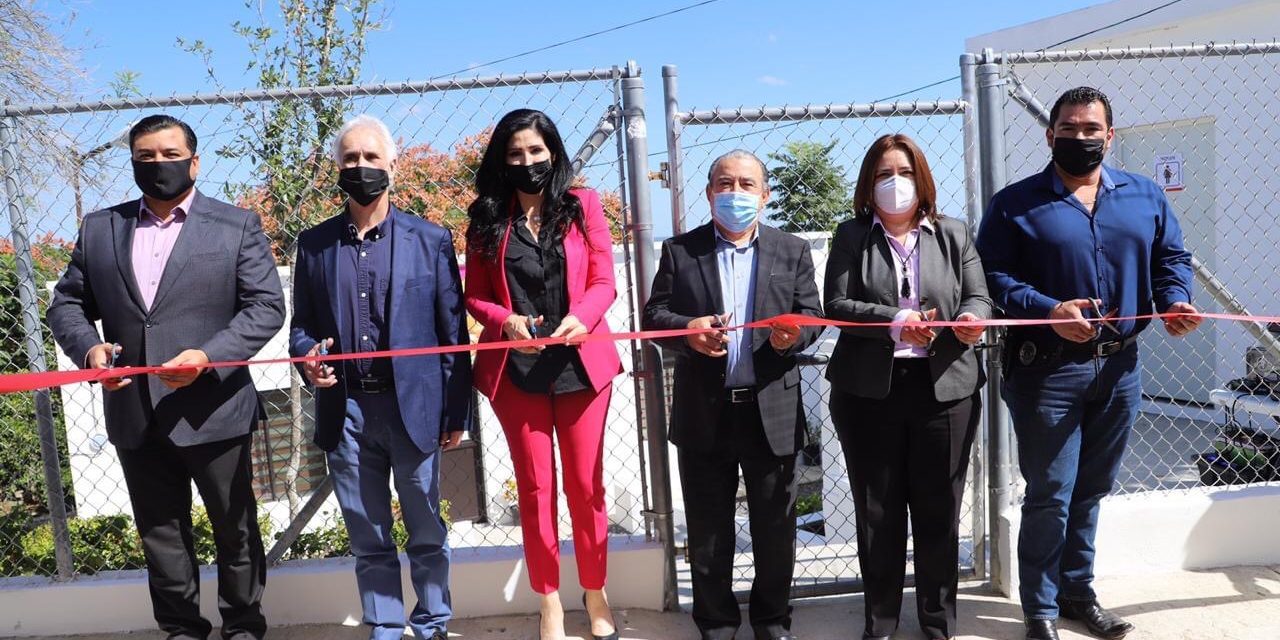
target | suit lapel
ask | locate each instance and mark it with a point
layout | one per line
(710, 271)
(123, 222)
(881, 270)
(932, 272)
(402, 241)
(194, 231)
(329, 258)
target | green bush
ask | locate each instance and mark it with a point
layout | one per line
(811, 503)
(109, 543)
(100, 543)
(330, 539)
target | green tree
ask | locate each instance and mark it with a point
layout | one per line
(810, 192)
(316, 43)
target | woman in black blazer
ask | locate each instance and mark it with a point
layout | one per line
(904, 400)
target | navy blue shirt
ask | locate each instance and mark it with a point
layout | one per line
(1040, 246)
(364, 278)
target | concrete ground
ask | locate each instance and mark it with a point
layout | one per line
(1241, 603)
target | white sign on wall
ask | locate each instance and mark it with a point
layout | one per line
(1168, 172)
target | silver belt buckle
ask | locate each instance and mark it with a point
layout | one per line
(1103, 349)
(737, 396)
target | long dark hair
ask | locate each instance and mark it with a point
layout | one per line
(490, 212)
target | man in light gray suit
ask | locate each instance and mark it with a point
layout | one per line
(179, 280)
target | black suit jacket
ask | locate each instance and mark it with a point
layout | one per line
(219, 293)
(687, 286)
(861, 286)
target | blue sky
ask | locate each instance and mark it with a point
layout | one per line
(729, 53)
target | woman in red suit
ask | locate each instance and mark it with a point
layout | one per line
(540, 262)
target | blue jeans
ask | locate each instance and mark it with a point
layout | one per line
(374, 442)
(1072, 421)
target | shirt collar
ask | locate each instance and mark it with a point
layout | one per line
(381, 230)
(1109, 181)
(179, 212)
(723, 241)
(924, 223)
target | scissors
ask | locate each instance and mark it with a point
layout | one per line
(1102, 318)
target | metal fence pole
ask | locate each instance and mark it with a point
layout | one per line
(973, 212)
(646, 266)
(990, 88)
(675, 169)
(31, 328)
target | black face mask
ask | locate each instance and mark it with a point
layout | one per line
(363, 184)
(163, 181)
(1078, 156)
(529, 178)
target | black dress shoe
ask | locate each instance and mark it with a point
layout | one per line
(1041, 629)
(1100, 622)
(867, 637)
(612, 636)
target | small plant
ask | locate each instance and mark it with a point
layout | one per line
(811, 503)
(510, 493)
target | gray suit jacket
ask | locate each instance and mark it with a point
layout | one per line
(219, 293)
(687, 286)
(861, 287)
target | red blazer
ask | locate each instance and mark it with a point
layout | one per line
(589, 278)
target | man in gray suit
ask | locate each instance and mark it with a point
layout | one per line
(178, 280)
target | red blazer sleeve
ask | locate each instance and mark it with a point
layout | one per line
(601, 287)
(481, 298)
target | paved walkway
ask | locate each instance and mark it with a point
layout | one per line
(1241, 603)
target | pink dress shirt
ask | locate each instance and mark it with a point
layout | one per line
(153, 241)
(910, 303)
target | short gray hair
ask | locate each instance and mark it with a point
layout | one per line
(364, 120)
(739, 154)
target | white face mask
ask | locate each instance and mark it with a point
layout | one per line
(895, 195)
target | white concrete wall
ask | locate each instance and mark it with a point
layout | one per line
(1165, 531)
(483, 582)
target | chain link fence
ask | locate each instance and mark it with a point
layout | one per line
(1202, 122)
(813, 154)
(441, 128)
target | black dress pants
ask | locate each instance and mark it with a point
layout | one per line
(709, 480)
(907, 452)
(159, 476)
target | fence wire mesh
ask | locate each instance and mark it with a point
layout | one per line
(1202, 122)
(813, 155)
(80, 162)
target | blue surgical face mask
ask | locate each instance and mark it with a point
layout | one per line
(735, 210)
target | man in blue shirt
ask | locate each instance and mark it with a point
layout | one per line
(375, 278)
(1079, 240)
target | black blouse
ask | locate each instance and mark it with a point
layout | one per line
(536, 280)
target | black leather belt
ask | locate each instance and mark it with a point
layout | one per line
(740, 395)
(1027, 352)
(370, 384)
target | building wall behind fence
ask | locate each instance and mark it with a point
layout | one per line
(1219, 115)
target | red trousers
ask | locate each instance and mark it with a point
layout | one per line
(577, 420)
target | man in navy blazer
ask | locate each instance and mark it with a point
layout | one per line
(178, 280)
(374, 278)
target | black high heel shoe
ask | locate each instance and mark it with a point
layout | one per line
(612, 636)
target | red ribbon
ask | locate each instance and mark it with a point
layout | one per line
(18, 382)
